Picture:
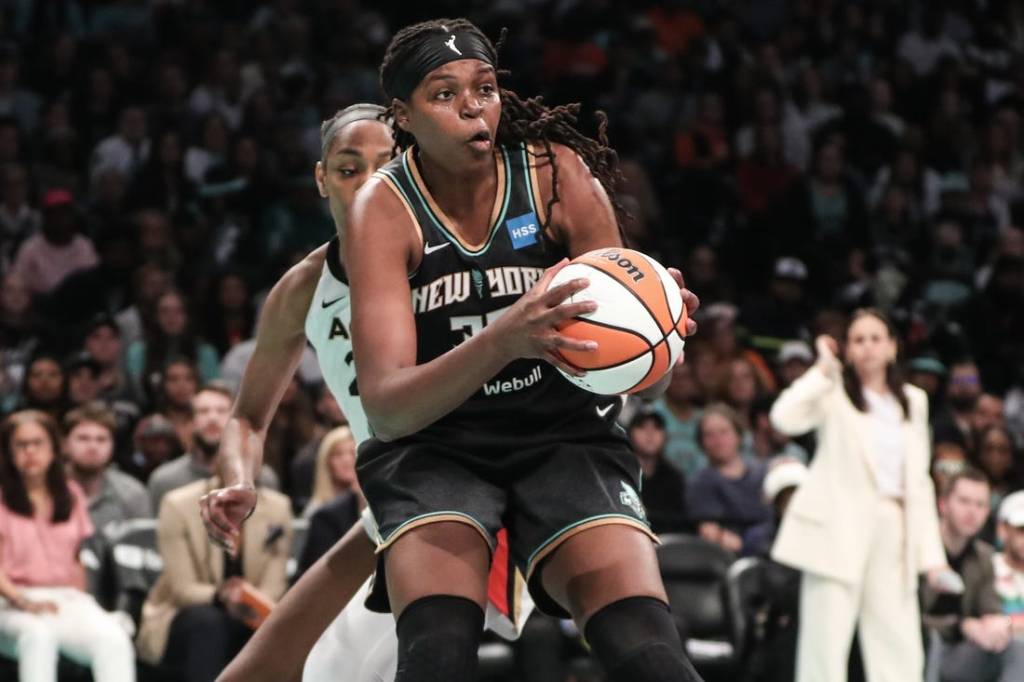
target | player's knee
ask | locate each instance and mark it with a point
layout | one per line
(438, 638)
(636, 641)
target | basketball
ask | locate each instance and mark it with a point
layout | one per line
(639, 324)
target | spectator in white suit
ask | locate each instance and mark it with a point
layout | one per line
(864, 524)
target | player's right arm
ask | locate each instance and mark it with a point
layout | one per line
(401, 397)
(280, 341)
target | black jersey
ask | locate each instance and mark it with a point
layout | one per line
(459, 288)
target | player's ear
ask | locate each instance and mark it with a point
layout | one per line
(321, 177)
(401, 110)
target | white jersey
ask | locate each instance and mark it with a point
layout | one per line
(328, 328)
(360, 645)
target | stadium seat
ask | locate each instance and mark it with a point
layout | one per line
(695, 573)
(136, 564)
(300, 529)
(746, 595)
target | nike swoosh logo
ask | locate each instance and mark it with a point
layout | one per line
(429, 249)
(328, 304)
(602, 411)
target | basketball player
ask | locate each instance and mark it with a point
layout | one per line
(450, 250)
(311, 302)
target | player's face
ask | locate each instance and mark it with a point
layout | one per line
(454, 112)
(356, 152)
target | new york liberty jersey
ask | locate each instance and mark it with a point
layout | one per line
(328, 328)
(459, 288)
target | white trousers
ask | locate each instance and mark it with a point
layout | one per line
(358, 646)
(80, 630)
(881, 607)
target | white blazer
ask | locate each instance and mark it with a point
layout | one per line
(826, 530)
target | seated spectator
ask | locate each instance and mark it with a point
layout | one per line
(948, 459)
(335, 469)
(177, 387)
(774, 657)
(196, 619)
(57, 250)
(18, 220)
(43, 521)
(82, 373)
(211, 408)
(149, 282)
(1009, 564)
(20, 324)
(303, 467)
(154, 443)
(725, 497)
(995, 457)
(794, 358)
(171, 334)
(103, 343)
(337, 498)
(664, 489)
(679, 409)
(769, 442)
(971, 639)
(113, 496)
(43, 388)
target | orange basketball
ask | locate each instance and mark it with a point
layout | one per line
(639, 324)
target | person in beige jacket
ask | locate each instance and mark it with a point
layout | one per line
(193, 618)
(864, 523)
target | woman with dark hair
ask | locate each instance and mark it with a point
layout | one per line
(44, 386)
(864, 525)
(44, 609)
(489, 186)
(995, 457)
(169, 334)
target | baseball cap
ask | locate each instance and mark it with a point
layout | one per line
(157, 426)
(795, 350)
(790, 267)
(58, 196)
(1011, 510)
(102, 320)
(643, 416)
(82, 359)
(928, 365)
(786, 474)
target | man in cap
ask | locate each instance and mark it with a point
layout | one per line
(794, 358)
(782, 312)
(664, 490)
(1009, 564)
(53, 253)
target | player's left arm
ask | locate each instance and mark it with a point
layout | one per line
(584, 219)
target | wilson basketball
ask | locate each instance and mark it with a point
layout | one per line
(639, 324)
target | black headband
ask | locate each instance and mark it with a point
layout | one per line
(437, 50)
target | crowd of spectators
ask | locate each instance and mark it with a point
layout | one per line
(796, 159)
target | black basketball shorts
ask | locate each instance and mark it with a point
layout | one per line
(542, 495)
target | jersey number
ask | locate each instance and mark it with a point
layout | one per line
(353, 388)
(473, 324)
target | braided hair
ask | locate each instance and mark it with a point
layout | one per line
(522, 120)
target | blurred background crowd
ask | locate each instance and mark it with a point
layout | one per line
(796, 159)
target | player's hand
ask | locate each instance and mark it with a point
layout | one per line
(224, 510)
(828, 352)
(691, 302)
(529, 328)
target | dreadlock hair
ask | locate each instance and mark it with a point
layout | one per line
(522, 120)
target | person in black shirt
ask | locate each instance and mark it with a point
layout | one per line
(664, 486)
